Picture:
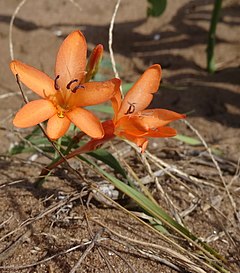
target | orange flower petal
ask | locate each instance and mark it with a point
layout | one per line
(152, 118)
(108, 127)
(34, 79)
(157, 132)
(116, 103)
(94, 143)
(92, 93)
(57, 127)
(162, 132)
(140, 95)
(86, 122)
(140, 138)
(124, 126)
(139, 141)
(33, 113)
(71, 59)
(143, 145)
(93, 62)
(147, 120)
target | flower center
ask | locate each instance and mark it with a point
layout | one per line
(62, 97)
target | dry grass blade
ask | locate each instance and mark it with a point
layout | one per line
(159, 259)
(182, 262)
(111, 38)
(87, 251)
(13, 247)
(172, 253)
(216, 165)
(208, 255)
(16, 267)
(172, 171)
(20, 5)
(169, 169)
(49, 210)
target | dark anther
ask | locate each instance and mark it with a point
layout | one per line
(131, 108)
(56, 86)
(74, 90)
(69, 84)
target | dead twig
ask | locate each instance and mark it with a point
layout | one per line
(87, 251)
(101, 253)
(29, 221)
(176, 255)
(161, 260)
(16, 267)
(9, 251)
(111, 38)
(19, 6)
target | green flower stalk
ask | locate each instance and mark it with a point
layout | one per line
(212, 36)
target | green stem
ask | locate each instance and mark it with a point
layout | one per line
(212, 36)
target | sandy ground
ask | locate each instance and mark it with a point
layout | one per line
(176, 40)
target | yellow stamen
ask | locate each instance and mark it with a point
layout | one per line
(60, 114)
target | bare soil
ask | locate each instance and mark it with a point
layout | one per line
(49, 229)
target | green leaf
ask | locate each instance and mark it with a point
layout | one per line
(101, 108)
(156, 8)
(194, 142)
(160, 228)
(188, 140)
(107, 63)
(126, 87)
(18, 149)
(109, 159)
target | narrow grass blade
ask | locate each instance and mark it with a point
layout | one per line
(157, 212)
(188, 140)
(212, 36)
(109, 159)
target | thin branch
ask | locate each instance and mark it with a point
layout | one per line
(111, 38)
(20, 5)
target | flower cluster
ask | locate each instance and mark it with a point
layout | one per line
(63, 98)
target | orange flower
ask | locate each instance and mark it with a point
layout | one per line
(132, 121)
(63, 98)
